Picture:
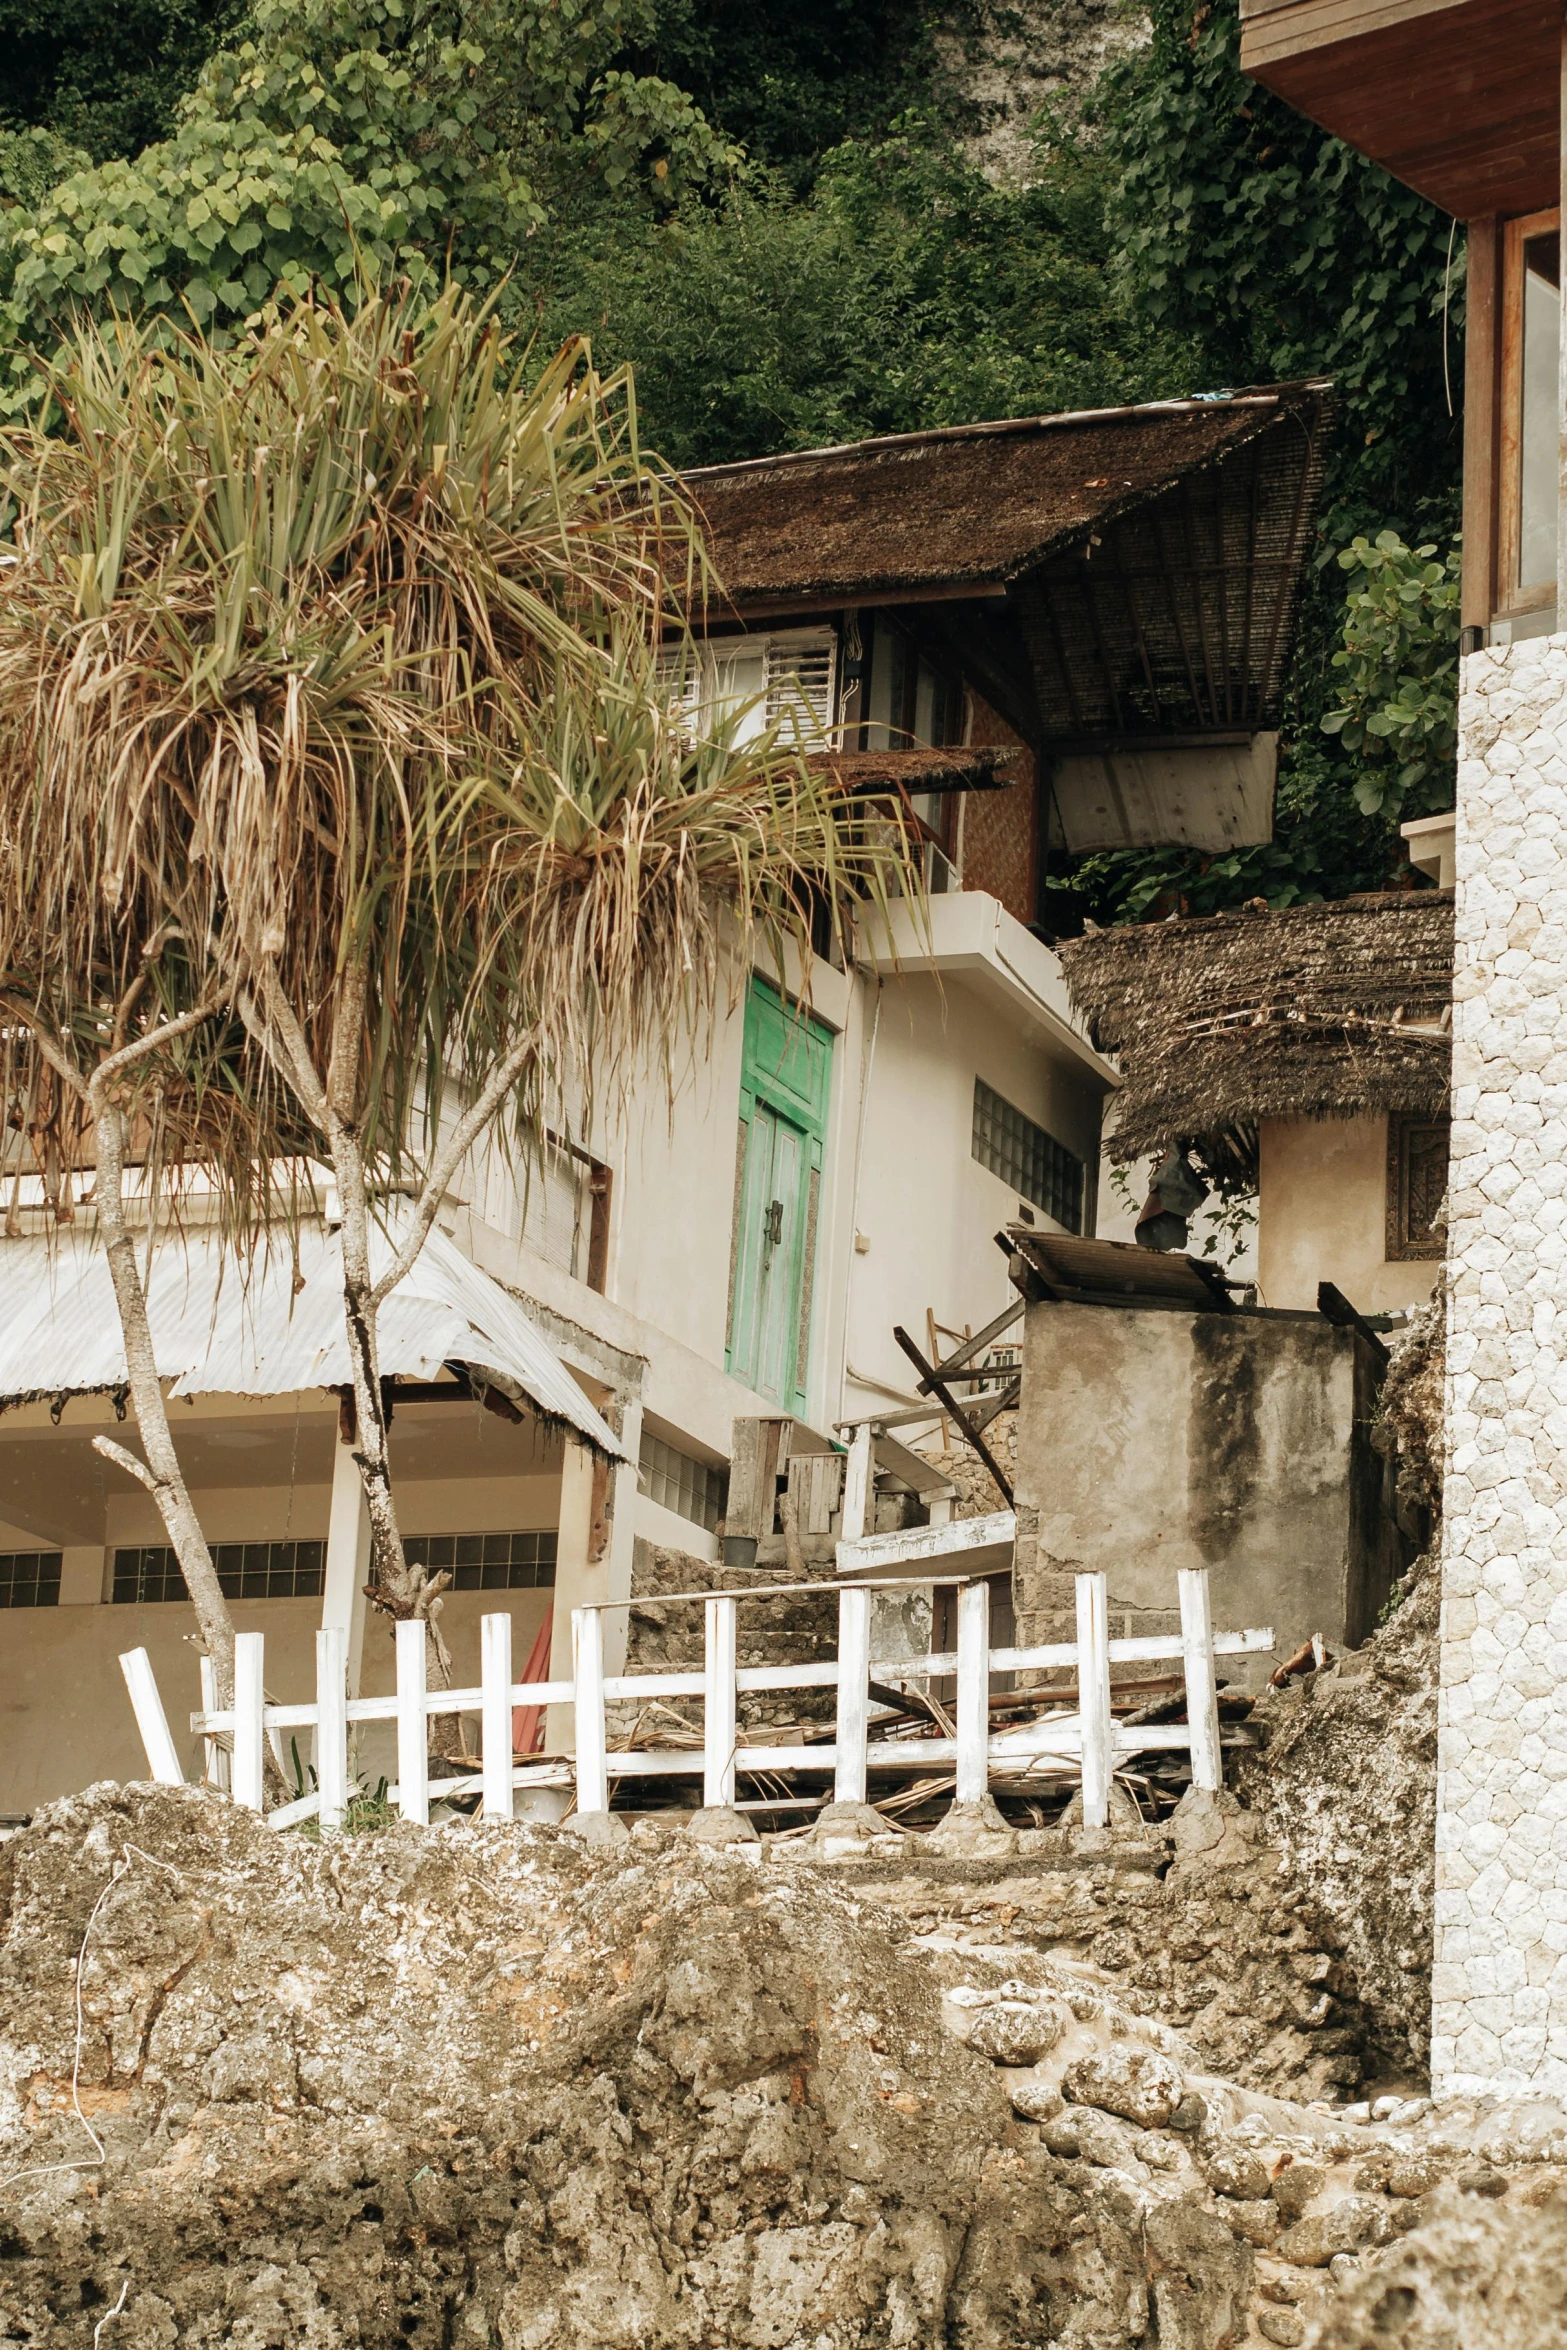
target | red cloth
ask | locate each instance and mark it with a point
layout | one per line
(527, 1721)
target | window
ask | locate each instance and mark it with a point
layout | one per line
(565, 1196)
(488, 1562)
(1417, 1150)
(788, 678)
(677, 1481)
(29, 1578)
(1531, 335)
(1028, 1160)
(246, 1570)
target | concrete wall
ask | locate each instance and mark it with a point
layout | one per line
(1151, 1441)
(1322, 1216)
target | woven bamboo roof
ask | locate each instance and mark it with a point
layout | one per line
(1331, 1011)
(1106, 575)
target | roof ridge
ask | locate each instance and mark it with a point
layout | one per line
(1200, 403)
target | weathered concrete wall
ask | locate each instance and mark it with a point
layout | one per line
(1150, 1441)
(1322, 1216)
(1500, 1975)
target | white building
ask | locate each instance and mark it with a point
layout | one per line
(1070, 631)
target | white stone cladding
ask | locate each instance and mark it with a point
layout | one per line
(1499, 1989)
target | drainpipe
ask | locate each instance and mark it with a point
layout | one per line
(854, 1199)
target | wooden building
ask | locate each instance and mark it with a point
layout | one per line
(1303, 1055)
(1463, 103)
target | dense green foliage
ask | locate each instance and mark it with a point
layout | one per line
(769, 209)
(1398, 698)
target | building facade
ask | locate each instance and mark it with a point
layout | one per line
(1004, 630)
(1465, 104)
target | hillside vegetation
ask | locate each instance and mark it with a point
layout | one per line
(803, 225)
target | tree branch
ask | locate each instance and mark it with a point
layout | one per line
(126, 1461)
(448, 1158)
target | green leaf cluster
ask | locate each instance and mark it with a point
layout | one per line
(1399, 705)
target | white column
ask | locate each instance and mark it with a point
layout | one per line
(576, 1584)
(249, 1669)
(587, 1654)
(347, 1560)
(495, 1680)
(163, 1763)
(1499, 1986)
(332, 1726)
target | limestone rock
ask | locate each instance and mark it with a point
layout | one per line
(1017, 2032)
(1297, 2184)
(1035, 2099)
(1136, 2083)
(1346, 2226)
(1237, 2170)
(1473, 2276)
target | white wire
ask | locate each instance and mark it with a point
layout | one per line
(98, 2157)
(1447, 287)
(110, 2315)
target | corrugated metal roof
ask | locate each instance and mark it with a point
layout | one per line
(218, 1330)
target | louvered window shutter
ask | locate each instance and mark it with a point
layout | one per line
(801, 684)
(678, 670)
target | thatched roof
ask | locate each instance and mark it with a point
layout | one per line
(1331, 1011)
(1113, 574)
(963, 767)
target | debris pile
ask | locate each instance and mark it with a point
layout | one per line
(472, 2086)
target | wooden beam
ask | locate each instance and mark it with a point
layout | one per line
(1482, 368)
(1335, 1307)
(971, 1434)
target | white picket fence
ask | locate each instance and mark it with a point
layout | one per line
(1090, 1739)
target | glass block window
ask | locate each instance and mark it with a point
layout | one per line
(678, 1481)
(1028, 1160)
(487, 1562)
(29, 1578)
(246, 1570)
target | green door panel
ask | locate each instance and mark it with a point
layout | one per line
(785, 1085)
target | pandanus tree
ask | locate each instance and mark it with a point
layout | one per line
(334, 656)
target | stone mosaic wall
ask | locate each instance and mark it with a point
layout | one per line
(1500, 1975)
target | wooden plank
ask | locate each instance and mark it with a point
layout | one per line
(857, 1486)
(1093, 1678)
(1460, 101)
(854, 1673)
(587, 1648)
(163, 1763)
(1335, 1307)
(969, 1432)
(973, 1693)
(495, 1717)
(249, 1701)
(413, 1730)
(718, 1700)
(1202, 1696)
(1482, 457)
(332, 1725)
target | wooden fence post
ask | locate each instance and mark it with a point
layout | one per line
(413, 1724)
(162, 1760)
(249, 1670)
(587, 1648)
(973, 1695)
(495, 1714)
(1202, 1692)
(332, 1725)
(718, 1700)
(215, 1755)
(859, 1479)
(854, 1696)
(1093, 1697)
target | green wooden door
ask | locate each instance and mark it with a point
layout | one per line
(785, 1080)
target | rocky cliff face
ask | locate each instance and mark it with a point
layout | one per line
(1006, 60)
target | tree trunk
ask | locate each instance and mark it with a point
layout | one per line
(399, 1590)
(166, 1479)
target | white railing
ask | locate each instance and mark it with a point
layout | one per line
(1091, 1739)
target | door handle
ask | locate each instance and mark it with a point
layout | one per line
(772, 1224)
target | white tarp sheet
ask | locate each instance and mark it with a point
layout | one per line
(217, 1331)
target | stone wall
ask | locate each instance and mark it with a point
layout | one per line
(1500, 1975)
